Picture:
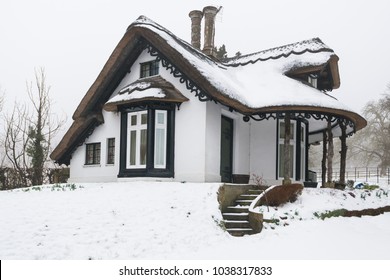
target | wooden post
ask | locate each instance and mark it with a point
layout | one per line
(343, 152)
(323, 162)
(287, 159)
(330, 152)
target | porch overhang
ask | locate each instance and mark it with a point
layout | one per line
(316, 117)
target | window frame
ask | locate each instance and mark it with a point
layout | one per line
(150, 169)
(138, 128)
(280, 141)
(153, 68)
(300, 150)
(110, 157)
(160, 126)
(96, 153)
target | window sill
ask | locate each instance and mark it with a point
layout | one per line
(110, 164)
(91, 165)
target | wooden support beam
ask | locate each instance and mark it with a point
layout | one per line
(330, 153)
(343, 152)
(323, 162)
(287, 159)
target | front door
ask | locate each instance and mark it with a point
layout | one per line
(226, 149)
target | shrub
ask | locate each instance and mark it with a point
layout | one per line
(282, 194)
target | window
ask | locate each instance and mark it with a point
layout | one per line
(312, 79)
(281, 148)
(149, 69)
(298, 150)
(160, 139)
(148, 138)
(92, 154)
(137, 140)
(110, 150)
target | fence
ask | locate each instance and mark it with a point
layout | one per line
(372, 174)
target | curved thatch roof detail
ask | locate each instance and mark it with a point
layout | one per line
(259, 83)
(147, 89)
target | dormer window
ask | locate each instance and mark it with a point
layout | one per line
(312, 79)
(149, 68)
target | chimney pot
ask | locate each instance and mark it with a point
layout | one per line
(209, 13)
(196, 19)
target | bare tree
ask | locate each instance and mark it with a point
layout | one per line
(372, 144)
(29, 133)
(15, 143)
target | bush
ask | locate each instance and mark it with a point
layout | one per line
(282, 194)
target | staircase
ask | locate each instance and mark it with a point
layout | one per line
(236, 216)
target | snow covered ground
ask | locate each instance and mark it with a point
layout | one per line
(155, 220)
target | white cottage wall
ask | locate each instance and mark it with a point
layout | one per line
(263, 145)
(190, 134)
(103, 172)
(241, 146)
(213, 142)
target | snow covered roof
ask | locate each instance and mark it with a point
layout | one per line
(261, 83)
(146, 89)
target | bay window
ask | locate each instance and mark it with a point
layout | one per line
(148, 135)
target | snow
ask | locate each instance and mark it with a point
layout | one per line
(260, 84)
(137, 94)
(165, 220)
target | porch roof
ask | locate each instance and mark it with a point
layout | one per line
(147, 89)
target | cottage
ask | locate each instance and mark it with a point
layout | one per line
(164, 109)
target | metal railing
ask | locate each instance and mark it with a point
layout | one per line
(373, 174)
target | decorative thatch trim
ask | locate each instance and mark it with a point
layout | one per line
(80, 129)
(171, 94)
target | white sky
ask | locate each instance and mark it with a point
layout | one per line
(73, 39)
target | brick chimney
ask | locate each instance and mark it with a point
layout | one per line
(209, 13)
(196, 19)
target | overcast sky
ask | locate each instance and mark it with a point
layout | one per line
(73, 39)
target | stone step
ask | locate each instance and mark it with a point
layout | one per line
(235, 216)
(255, 192)
(237, 209)
(233, 224)
(240, 231)
(248, 196)
(245, 202)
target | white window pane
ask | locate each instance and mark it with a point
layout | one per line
(143, 147)
(160, 147)
(144, 118)
(133, 120)
(133, 145)
(160, 118)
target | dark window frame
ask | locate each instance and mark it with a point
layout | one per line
(110, 151)
(297, 145)
(95, 158)
(150, 170)
(150, 68)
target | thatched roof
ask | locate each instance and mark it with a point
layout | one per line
(153, 88)
(259, 83)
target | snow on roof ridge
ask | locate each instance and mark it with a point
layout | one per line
(313, 45)
(146, 22)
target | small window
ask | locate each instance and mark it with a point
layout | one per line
(110, 150)
(92, 154)
(312, 79)
(150, 68)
